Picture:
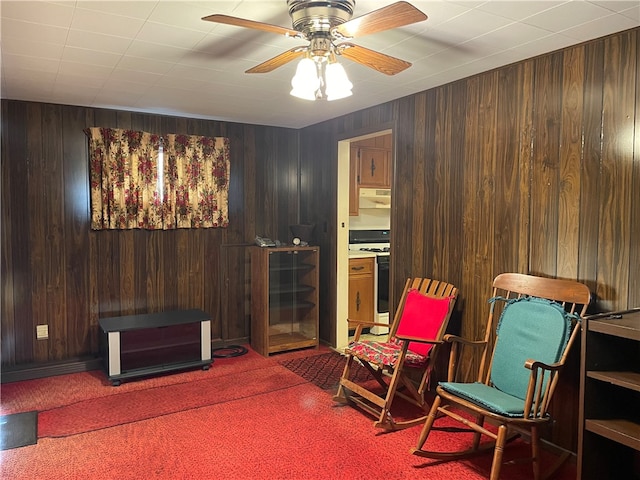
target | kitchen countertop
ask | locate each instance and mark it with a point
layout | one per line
(360, 254)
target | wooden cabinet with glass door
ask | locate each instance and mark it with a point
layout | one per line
(284, 298)
(361, 290)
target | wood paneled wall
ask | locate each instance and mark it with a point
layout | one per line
(58, 272)
(532, 168)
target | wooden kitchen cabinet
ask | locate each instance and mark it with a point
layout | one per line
(370, 167)
(374, 167)
(609, 431)
(284, 298)
(361, 289)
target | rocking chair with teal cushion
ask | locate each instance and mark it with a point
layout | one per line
(539, 322)
(417, 330)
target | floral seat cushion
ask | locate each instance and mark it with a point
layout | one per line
(384, 353)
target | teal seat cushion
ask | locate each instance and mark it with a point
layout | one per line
(488, 397)
(529, 328)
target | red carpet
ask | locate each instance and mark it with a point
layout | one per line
(250, 419)
(138, 405)
(325, 370)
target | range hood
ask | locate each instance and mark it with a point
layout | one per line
(375, 198)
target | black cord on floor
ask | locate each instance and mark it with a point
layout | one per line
(229, 351)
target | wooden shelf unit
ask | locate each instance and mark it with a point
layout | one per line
(284, 298)
(609, 434)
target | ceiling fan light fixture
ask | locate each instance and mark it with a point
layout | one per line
(305, 82)
(338, 84)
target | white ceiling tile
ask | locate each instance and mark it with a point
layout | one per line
(632, 13)
(45, 13)
(98, 41)
(81, 92)
(618, 5)
(136, 76)
(543, 45)
(139, 9)
(567, 15)
(509, 36)
(105, 23)
(518, 9)
(473, 23)
(115, 86)
(182, 15)
(26, 79)
(167, 53)
(167, 35)
(12, 28)
(31, 48)
(130, 63)
(159, 56)
(600, 27)
(84, 70)
(90, 57)
(32, 64)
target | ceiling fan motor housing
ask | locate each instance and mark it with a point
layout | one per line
(319, 16)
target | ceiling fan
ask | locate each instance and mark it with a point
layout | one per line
(325, 24)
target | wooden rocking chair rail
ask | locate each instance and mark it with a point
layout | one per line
(574, 298)
(405, 349)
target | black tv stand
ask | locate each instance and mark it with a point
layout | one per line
(154, 343)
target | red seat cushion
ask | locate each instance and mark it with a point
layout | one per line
(422, 317)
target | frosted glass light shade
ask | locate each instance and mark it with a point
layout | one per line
(305, 82)
(338, 84)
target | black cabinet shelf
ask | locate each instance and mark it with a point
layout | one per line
(609, 434)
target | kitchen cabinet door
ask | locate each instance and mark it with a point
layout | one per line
(374, 167)
(361, 290)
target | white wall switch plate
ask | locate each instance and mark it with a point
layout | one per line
(42, 332)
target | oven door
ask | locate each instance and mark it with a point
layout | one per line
(383, 283)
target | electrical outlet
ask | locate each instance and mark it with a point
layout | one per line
(42, 332)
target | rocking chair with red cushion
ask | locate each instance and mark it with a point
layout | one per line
(414, 336)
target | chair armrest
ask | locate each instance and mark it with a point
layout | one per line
(542, 382)
(456, 339)
(457, 371)
(419, 339)
(531, 364)
(360, 324)
(368, 324)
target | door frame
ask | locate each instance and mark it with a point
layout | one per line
(342, 226)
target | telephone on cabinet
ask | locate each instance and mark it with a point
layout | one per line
(264, 242)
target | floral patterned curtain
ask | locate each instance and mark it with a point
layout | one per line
(197, 181)
(124, 179)
(140, 181)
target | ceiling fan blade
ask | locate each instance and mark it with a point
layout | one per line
(370, 58)
(395, 15)
(278, 60)
(242, 22)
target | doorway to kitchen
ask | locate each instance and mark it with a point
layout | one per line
(374, 154)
